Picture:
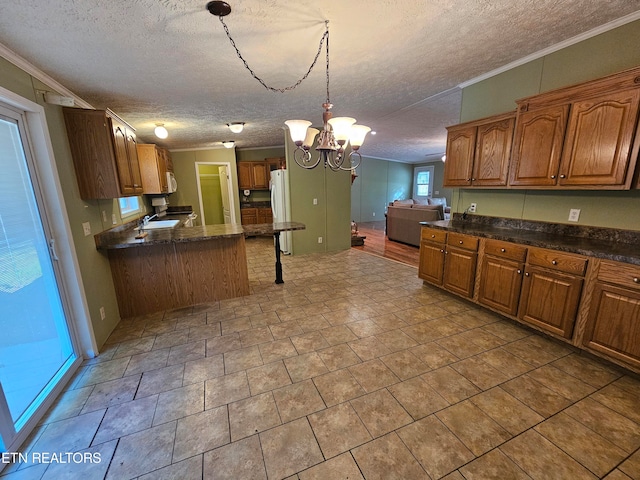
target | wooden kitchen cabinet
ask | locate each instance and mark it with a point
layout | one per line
(578, 137)
(104, 154)
(432, 244)
(154, 162)
(265, 215)
(478, 152)
(253, 176)
(551, 290)
(460, 264)
(501, 275)
(276, 163)
(248, 216)
(613, 325)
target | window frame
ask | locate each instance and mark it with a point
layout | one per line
(129, 212)
(416, 171)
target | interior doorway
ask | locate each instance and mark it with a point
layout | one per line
(217, 203)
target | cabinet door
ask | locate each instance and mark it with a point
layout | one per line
(265, 215)
(244, 176)
(460, 271)
(121, 147)
(260, 175)
(460, 150)
(248, 216)
(431, 267)
(550, 300)
(613, 327)
(537, 146)
(134, 166)
(598, 140)
(500, 284)
(492, 153)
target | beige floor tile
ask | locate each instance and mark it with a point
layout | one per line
(421, 332)
(338, 334)
(305, 366)
(133, 347)
(473, 427)
(387, 458)
(255, 336)
(494, 465)
(566, 385)
(450, 385)
(631, 466)
(298, 400)
(380, 412)
(285, 329)
(364, 328)
(454, 476)
(238, 460)
(126, 418)
(443, 327)
(436, 448)
(196, 371)
(337, 387)
(277, 350)
(588, 370)
(267, 377)
(170, 339)
(611, 425)
(536, 396)
(290, 448)
(338, 356)
(111, 393)
(530, 352)
(584, 445)
(68, 405)
(338, 429)
(189, 469)
(617, 475)
(434, 355)
(179, 403)
(404, 364)
(187, 352)
(312, 323)
(160, 380)
(201, 432)
(226, 389)
(460, 346)
(481, 374)
(342, 467)
(103, 372)
(388, 321)
(396, 340)
(483, 339)
(540, 458)
(417, 397)
(223, 344)
(506, 362)
(235, 325)
(511, 414)
(368, 348)
(252, 415)
(237, 360)
(373, 375)
(309, 342)
(506, 330)
(143, 452)
(71, 470)
(620, 400)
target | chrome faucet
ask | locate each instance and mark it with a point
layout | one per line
(147, 218)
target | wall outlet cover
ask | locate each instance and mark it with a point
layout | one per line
(574, 214)
(472, 208)
(86, 228)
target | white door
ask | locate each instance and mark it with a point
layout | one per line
(224, 189)
(36, 348)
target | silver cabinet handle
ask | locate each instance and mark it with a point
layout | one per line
(554, 262)
(461, 242)
(503, 250)
(526, 274)
(636, 280)
(563, 176)
(519, 271)
(553, 176)
(433, 236)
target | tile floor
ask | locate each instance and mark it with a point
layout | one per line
(351, 369)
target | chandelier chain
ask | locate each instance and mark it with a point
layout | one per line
(304, 77)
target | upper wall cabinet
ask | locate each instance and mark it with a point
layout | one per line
(253, 175)
(154, 162)
(478, 152)
(579, 137)
(104, 154)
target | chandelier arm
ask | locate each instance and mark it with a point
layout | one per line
(325, 36)
(303, 158)
(351, 154)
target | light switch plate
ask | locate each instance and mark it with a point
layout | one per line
(86, 228)
(574, 214)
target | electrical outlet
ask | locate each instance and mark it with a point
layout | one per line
(114, 219)
(103, 315)
(315, 201)
(319, 239)
(472, 208)
(374, 214)
(104, 216)
(86, 228)
(437, 192)
(574, 214)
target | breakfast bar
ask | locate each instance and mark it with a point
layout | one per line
(176, 267)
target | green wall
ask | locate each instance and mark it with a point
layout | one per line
(211, 194)
(601, 55)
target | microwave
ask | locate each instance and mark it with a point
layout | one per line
(172, 185)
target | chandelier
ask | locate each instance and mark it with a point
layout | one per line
(337, 132)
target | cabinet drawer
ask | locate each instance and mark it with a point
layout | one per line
(620, 274)
(554, 260)
(508, 250)
(463, 241)
(434, 235)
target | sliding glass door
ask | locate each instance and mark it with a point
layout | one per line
(35, 342)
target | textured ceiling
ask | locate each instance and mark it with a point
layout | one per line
(395, 64)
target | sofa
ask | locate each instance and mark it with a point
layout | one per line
(404, 217)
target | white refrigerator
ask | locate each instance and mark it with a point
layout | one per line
(279, 186)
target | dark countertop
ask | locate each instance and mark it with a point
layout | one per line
(611, 244)
(261, 204)
(124, 235)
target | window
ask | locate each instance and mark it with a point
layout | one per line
(422, 182)
(129, 206)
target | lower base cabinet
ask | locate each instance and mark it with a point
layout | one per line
(613, 327)
(460, 271)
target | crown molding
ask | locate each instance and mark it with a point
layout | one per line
(35, 72)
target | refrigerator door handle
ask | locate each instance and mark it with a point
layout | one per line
(273, 201)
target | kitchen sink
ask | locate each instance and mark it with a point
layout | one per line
(161, 224)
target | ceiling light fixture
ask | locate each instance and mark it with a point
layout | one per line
(160, 131)
(336, 133)
(236, 127)
(444, 158)
(229, 144)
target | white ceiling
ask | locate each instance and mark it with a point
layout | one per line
(395, 64)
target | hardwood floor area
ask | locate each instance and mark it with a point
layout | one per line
(377, 243)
